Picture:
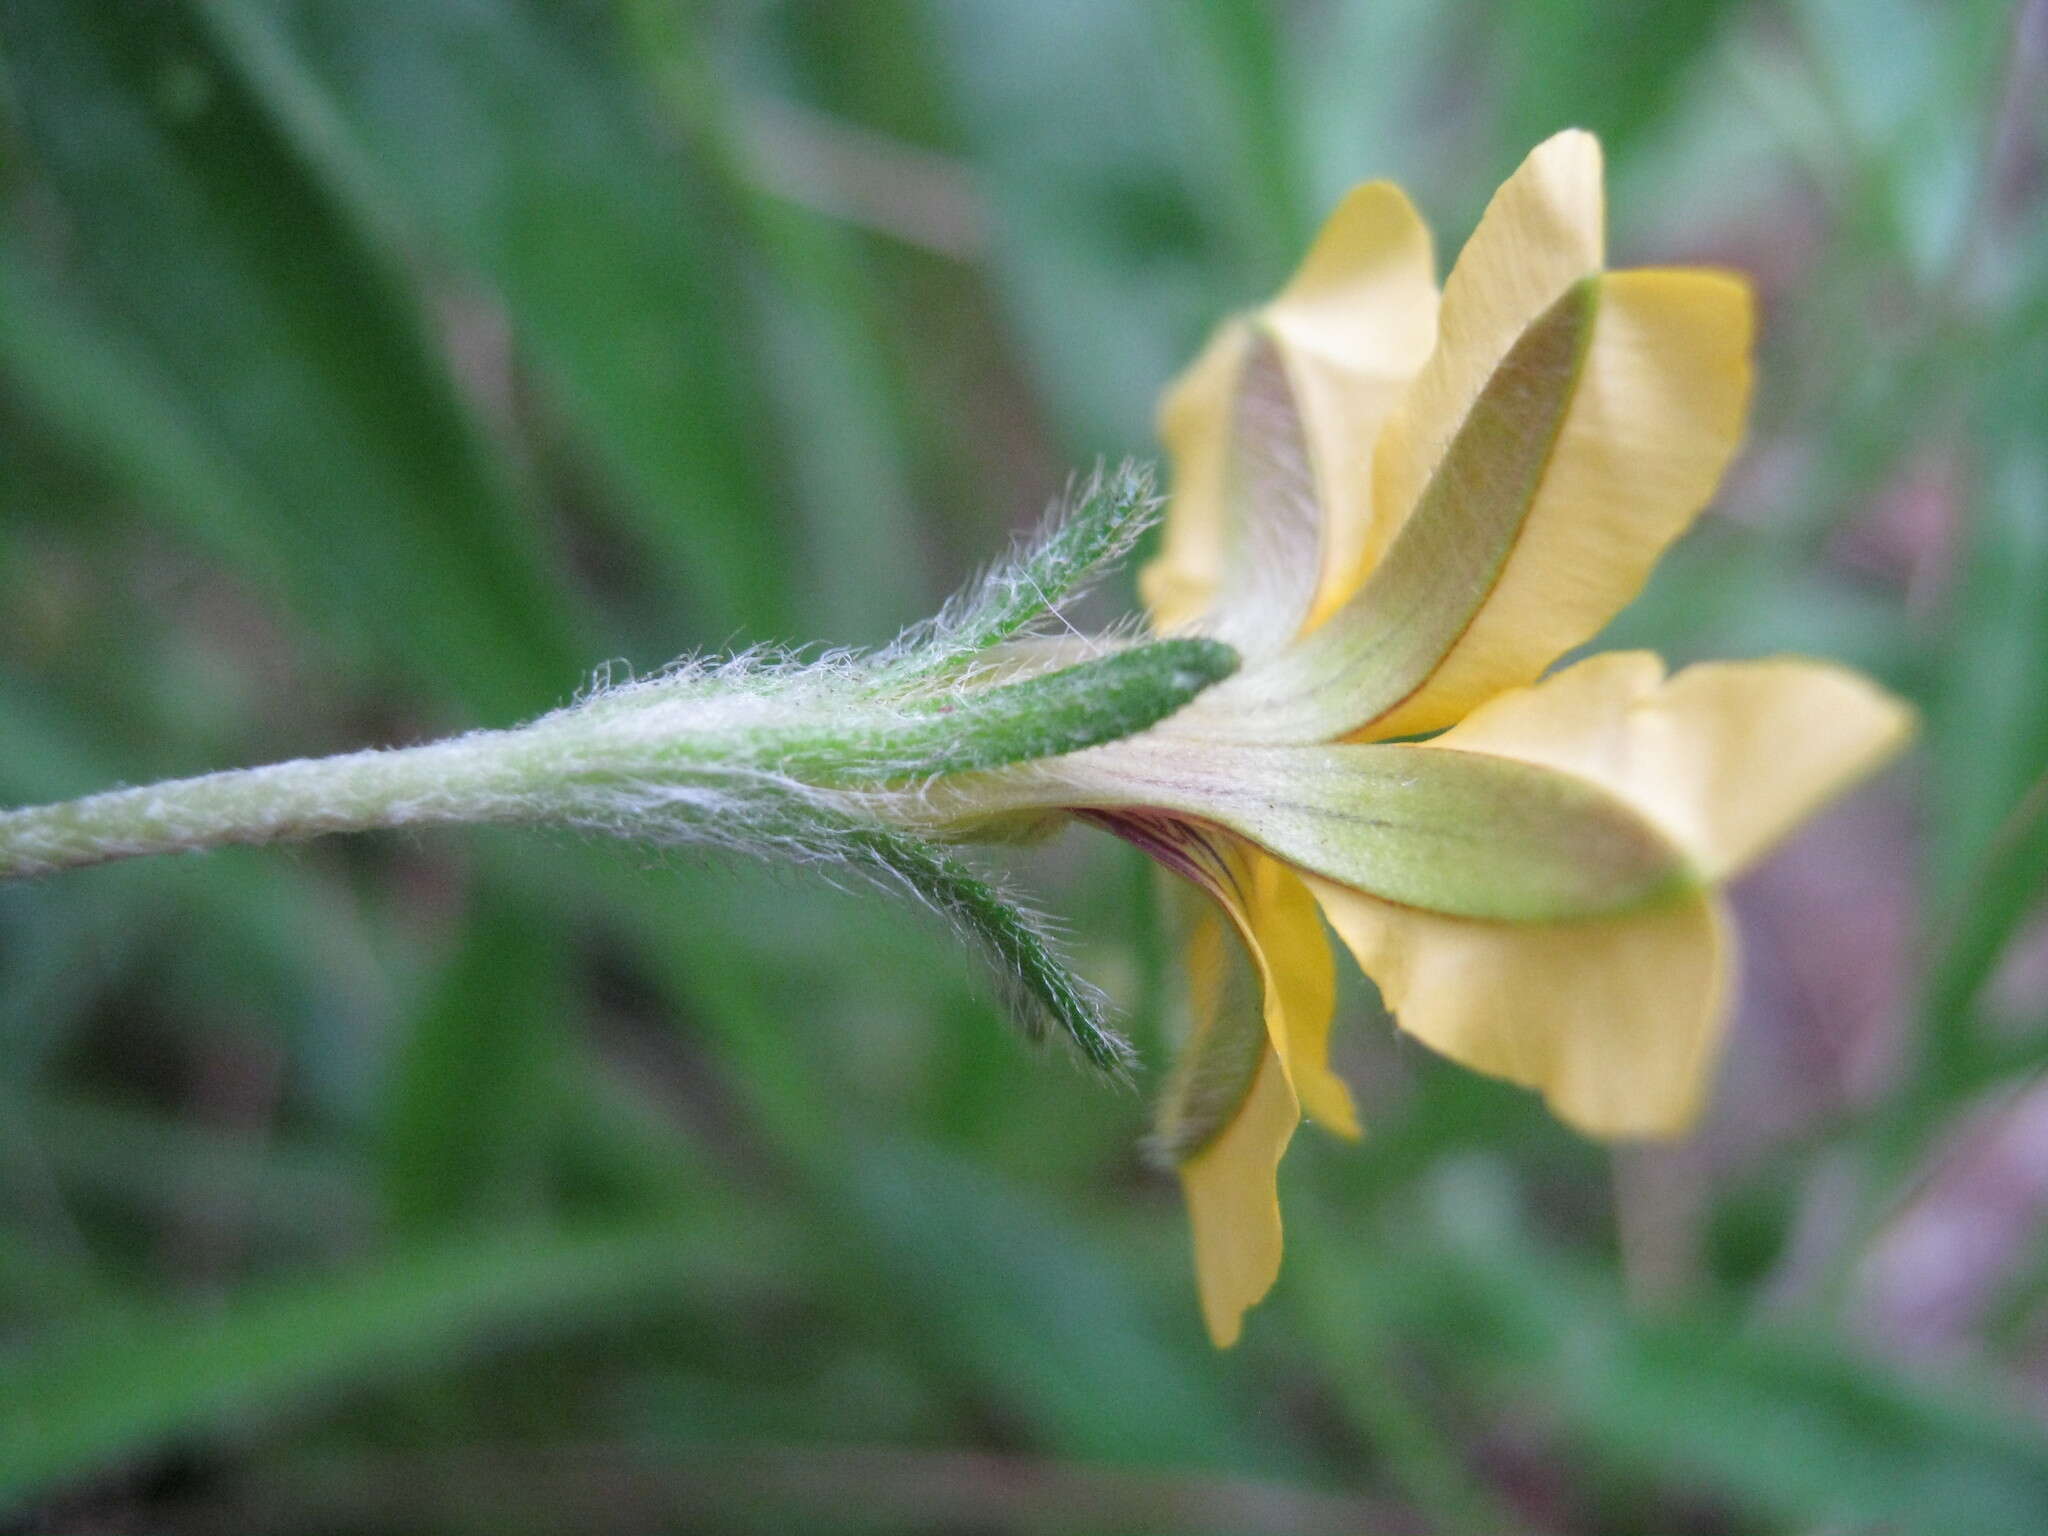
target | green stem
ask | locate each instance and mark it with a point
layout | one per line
(795, 763)
(472, 778)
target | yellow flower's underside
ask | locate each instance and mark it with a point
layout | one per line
(1403, 511)
(1229, 1148)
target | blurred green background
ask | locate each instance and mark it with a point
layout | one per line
(370, 369)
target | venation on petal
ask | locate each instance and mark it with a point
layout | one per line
(1542, 231)
(1382, 645)
(1226, 1043)
(1272, 537)
(1353, 327)
(1274, 916)
(1463, 833)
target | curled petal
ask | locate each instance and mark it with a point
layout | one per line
(1255, 1055)
(1614, 1020)
(1390, 636)
(1245, 526)
(1225, 1120)
(1284, 935)
(1273, 521)
(1290, 982)
(1356, 323)
(1656, 416)
(1342, 341)
(1222, 1044)
(1194, 416)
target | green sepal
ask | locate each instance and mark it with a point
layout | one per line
(1039, 990)
(1096, 525)
(1047, 716)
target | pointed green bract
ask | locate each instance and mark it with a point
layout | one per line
(1096, 526)
(1380, 648)
(1039, 990)
(1059, 712)
(1074, 708)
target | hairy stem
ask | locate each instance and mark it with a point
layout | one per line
(472, 778)
(792, 763)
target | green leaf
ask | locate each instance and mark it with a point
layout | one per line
(1785, 1422)
(477, 1080)
(830, 358)
(1988, 718)
(115, 1384)
(1604, 65)
(298, 1196)
(1037, 1320)
(1091, 211)
(207, 248)
(510, 138)
(102, 393)
(1236, 125)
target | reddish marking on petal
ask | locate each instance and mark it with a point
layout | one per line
(1184, 847)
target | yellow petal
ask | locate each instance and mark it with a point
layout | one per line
(1222, 1044)
(1351, 329)
(1234, 1203)
(1194, 419)
(1245, 522)
(1542, 232)
(1656, 415)
(1272, 510)
(1284, 934)
(1590, 449)
(1725, 757)
(1615, 1020)
(1281, 934)
(1231, 1105)
(1356, 323)
(1382, 647)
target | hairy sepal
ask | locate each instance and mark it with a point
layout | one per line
(1046, 716)
(1039, 990)
(1091, 529)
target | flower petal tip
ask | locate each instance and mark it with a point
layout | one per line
(1234, 1204)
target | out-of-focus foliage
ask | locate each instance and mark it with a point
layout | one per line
(369, 368)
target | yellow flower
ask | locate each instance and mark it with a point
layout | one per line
(1402, 510)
